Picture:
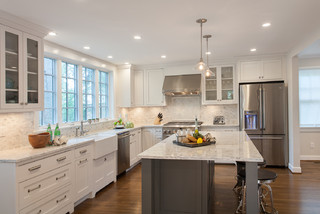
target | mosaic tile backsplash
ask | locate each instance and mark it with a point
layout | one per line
(182, 108)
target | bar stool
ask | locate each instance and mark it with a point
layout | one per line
(264, 178)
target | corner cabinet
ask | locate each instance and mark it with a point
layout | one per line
(21, 86)
(153, 87)
(219, 88)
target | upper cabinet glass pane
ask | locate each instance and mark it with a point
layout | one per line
(12, 68)
(226, 72)
(32, 70)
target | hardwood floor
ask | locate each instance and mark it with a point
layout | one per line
(293, 193)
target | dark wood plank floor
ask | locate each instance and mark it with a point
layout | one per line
(293, 193)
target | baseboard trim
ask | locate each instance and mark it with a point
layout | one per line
(309, 157)
(294, 169)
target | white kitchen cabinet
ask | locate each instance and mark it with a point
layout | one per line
(43, 184)
(21, 86)
(153, 87)
(83, 172)
(261, 70)
(124, 84)
(104, 162)
(219, 88)
(135, 146)
(138, 88)
(150, 137)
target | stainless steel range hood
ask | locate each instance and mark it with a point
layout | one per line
(182, 85)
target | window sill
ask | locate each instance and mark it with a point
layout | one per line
(309, 129)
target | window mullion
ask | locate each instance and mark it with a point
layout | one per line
(80, 101)
(59, 91)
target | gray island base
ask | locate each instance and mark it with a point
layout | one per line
(178, 180)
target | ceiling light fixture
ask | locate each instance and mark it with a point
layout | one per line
(208, 71)
(253, 49)
(52, 33)
(110, 57)
(201, 66)
(83, 59)
(208, 52)
(126, 63)
(267, 24)
(103, 65)
(137, 37)
(163, 56)
(86, 47)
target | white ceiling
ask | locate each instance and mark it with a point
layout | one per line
(168, 26)
(311, 51)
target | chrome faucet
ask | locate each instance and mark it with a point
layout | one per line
(82, 132)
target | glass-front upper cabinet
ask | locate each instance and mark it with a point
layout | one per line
(20, 70)
(219, 88)
(11, 68)
(32, 69)
(211, 86)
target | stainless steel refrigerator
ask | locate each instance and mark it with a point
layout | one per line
(263, 115)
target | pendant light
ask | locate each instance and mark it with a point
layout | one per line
(208, 72)
(201, 66)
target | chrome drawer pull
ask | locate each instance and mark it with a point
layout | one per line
(39, 211)
(83, 161)
(34, 168)
(83, 151)
(38, 187)
(61, 159)
(105, 159)
(59, 200)
(58, 178)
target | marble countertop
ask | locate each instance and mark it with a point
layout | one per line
(230, 147)
(27, 153)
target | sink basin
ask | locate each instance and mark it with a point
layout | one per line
(104, 144)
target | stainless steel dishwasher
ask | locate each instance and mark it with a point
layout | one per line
(123, 152)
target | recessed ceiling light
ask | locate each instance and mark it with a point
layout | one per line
(110, 57)
(253, 49)
(137, 37)
(52, 33)
(103, 65)
(86, 47)
(83, 59)
(55, 51)
(126, 63)
(163, 56)
(208, 53)
(267, 24)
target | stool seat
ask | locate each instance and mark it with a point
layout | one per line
(263, 175)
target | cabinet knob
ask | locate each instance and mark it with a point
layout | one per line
(26, 103)
(21, 103)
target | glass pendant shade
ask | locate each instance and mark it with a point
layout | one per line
(209, 73)
(201, 66)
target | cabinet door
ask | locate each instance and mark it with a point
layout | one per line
(210, 94)
(227, 83)
(82, 179)
(139, 144)
(250, 71)
(11, 69)
(272, 70)
(153, 90)
(138, 88)
(99, 172)
(133, 154)
(148, 139)
(33, 71)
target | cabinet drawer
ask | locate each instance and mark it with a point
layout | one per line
(34, 189)
(83, 151)
(30, 170)
(51, 204)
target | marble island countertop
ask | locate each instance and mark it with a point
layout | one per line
(230, 147)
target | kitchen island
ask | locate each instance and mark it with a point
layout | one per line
(177, 179)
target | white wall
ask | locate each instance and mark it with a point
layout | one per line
(309, 137)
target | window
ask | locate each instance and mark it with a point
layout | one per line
(309, 97)
(103, 94)
(88, 92)
(69, 92)
(50, 89)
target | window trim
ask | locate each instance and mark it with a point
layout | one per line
(54, 93)
(307, 127)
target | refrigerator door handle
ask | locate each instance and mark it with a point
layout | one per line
(266, 138)
(264, 108)
(260, 108)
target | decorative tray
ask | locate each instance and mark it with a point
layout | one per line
(119, 127)
(195, 144)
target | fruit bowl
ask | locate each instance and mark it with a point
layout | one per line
(39, 140)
